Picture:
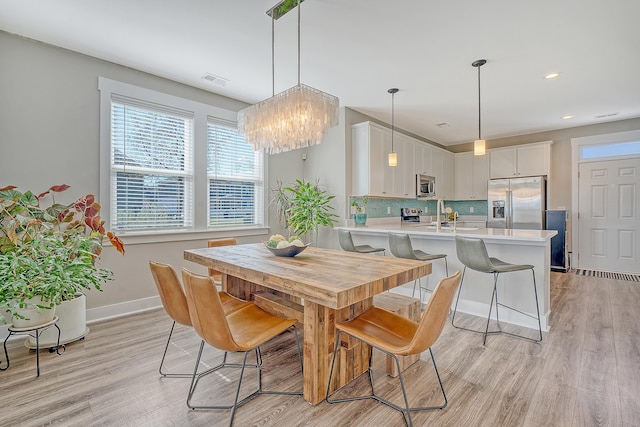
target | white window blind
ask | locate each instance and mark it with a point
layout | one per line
(235, 177)
(151, 166)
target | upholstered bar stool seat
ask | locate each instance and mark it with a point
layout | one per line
(473, 254)
(346, 243)
(401, 247)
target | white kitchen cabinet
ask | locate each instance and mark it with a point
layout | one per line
(368, 159)
(472, 174)
(448, 176)
(371, 173)
(404, 173)
(423, 158)
(522, 160)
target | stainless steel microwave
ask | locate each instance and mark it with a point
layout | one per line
(425, 186)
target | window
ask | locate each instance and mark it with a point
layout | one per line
(610, 150)
(151, 168)
(154, 173)
(234, 173)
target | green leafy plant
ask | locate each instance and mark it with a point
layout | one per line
(304, 207)
(360, 205)
(49, 251)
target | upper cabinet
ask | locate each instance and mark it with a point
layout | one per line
(522, 160)
(472, 174)
(372, 175)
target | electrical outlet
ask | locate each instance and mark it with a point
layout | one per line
(471, 209)
(388, 210)
(426, 209)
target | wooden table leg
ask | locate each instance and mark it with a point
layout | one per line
(319, 334)
(319, 341)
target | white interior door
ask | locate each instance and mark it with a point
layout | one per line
(609, 208)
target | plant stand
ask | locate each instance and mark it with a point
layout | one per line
(37, 329)
(72, 324)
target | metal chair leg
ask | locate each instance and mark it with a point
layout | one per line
(258, 390)
(164, 355)
(455, 309)
(406, 411)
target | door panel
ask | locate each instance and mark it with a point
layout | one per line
(609, 235)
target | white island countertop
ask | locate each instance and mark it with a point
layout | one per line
(423, 229)
(514, 246)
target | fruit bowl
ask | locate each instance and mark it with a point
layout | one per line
(289, 251)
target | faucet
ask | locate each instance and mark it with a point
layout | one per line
(439, 210)
(455, 220)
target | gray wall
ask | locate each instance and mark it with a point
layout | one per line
(49, 121)
(49, 134)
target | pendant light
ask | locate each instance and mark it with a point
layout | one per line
(479, 145)
(299, 117)
(393, 156)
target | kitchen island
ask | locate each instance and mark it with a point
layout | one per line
(513, 246)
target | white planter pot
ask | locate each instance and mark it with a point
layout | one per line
(72, 322)
(36, 316)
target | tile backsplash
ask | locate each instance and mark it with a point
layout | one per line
(388, 208)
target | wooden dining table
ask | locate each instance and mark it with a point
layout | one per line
(327, 285)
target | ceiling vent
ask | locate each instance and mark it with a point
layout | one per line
(215, 80)
(604, 116)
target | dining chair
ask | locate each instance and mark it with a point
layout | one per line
(346, 243)
(212, 243)
(395, 335)
(243, 330)
(472, 253)
(175, 304)
(401, 247)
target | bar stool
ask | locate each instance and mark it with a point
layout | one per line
(400, 245)
(472, 253)
(37, 330)
(346, 243)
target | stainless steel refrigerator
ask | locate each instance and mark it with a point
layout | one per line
(517, 203)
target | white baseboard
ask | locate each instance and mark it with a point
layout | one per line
(105, 313)
(122, 309)
(481, 309)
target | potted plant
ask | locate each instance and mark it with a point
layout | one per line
(303, 208)
(359, 216)
(48, 253)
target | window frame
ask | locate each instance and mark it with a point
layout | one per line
(202, 113)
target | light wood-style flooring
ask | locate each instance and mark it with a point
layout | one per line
(586, 372)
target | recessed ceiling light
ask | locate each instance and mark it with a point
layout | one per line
(567, 117)
(551, 76)
(443, 125)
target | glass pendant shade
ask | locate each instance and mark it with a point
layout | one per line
(393, 159)
(479, 147)
(299, 117)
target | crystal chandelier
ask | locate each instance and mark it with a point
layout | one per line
(299, 117)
